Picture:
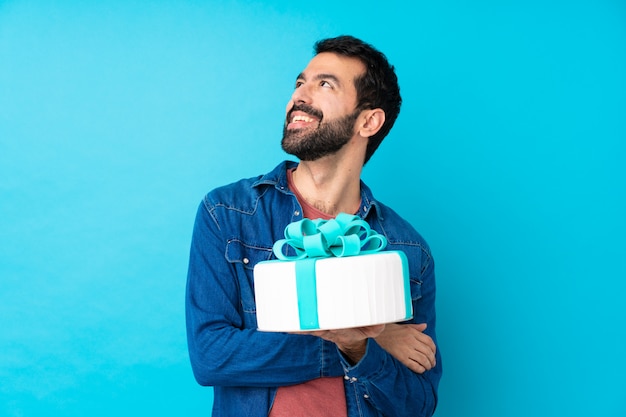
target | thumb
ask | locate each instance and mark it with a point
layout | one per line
(420, 327)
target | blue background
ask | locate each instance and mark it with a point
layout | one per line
(116, 117)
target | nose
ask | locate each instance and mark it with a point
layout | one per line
(301, 95)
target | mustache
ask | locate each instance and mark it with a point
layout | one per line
(306, 109)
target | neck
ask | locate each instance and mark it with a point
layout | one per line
(329, 185)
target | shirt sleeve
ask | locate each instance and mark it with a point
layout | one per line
(384, 383)
(221, 349)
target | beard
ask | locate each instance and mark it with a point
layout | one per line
(328, 138)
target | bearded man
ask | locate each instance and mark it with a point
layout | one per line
(344, 103)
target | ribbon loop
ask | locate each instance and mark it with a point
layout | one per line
(345, 235)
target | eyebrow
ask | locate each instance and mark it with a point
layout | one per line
(322, 76)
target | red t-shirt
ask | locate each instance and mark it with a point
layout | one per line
(322, 397)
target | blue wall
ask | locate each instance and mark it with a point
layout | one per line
(116, 117)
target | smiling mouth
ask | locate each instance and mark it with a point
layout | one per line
(300, 119)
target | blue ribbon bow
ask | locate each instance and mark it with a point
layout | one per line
(345, 235)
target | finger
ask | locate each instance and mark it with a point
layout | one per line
(420, 327)
(423, 362)
(416, 367)
(424, 356)
(424, 339)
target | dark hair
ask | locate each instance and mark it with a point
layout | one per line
(377, 88)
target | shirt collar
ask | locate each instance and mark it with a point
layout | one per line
(278, 178)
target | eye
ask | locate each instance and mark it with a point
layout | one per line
(326, 84)
(299, 83)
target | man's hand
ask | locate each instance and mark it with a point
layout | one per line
(352, 342)
(410, 345)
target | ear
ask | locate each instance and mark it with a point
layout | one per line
(372, 121)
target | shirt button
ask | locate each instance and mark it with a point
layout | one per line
(346, 377)
(246, 261)
(366, 396)
(364, 208)
(353, 379)
(296, 213)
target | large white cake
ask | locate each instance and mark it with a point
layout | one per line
(332, 293)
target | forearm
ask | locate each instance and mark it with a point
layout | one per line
(234, 357)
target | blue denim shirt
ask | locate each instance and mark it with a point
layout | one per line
(235, 228)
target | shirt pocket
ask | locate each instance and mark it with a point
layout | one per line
(248, 255)
(244, 256)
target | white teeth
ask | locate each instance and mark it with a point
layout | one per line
(301, 119)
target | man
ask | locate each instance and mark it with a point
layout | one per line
(344, 103)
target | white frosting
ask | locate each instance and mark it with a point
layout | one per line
(351, 292)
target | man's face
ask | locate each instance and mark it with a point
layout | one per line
(322, 112)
